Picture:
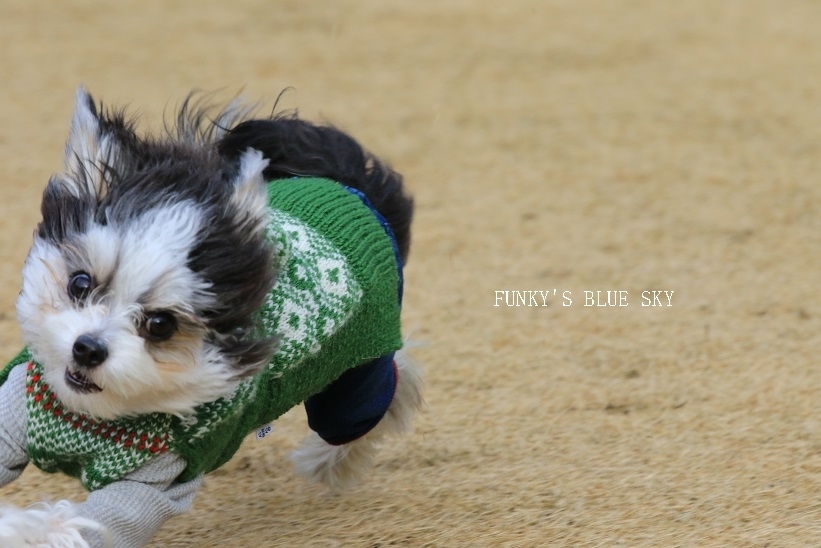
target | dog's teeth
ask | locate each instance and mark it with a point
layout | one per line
(79, 382)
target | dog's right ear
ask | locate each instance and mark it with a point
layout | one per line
(89, 150)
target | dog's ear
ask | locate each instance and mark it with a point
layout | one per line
(89, 150)
(249, 194)
(70, 198)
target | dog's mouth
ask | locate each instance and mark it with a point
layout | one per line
(80, 383)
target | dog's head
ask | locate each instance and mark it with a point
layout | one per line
(141, 288)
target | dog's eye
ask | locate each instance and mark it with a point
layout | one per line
(79, 286)
(159, 326)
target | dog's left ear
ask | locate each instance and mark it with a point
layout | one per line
(250, 193)
(89, 150)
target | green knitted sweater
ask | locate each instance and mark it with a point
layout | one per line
(334, 306)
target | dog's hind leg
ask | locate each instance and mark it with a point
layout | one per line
(338, 462)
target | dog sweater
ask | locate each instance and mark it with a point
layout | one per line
(335, 309)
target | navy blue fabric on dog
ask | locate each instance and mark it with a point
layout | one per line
(354, 403)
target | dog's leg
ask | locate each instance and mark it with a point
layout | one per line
(342, 466)
(54, 525)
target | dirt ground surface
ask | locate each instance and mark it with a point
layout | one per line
(594, 145)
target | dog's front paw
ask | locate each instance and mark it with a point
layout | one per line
(44, 525)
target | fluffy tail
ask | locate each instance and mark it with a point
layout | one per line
(342, 466)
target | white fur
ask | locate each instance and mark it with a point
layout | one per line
(153, 253)
(44, 526)
(343, 466)
(145, 268)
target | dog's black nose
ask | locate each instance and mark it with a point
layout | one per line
(89, 351)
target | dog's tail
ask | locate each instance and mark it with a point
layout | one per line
(295, 147)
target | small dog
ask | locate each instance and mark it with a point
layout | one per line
(183, 291)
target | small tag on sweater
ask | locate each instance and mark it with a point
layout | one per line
(264, 431)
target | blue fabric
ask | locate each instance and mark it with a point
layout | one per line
(354, 403)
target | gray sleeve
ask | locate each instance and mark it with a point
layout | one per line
(13, 457)
(134, 508)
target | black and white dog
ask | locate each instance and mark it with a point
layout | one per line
(184, 289)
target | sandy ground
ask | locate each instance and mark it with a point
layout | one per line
(579, 146)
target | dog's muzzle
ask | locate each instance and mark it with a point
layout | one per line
(88, 352)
